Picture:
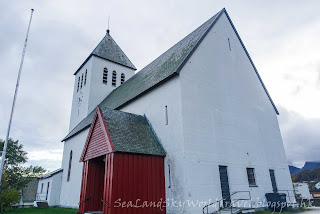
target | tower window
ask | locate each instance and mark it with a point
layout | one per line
(114, 78)
(85, 78)
(78, 84)
(123, 78)
(81, 81)
(105, 76)
(69, 169)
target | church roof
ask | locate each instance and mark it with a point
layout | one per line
(161, 69)
(108, 49)
(129, 132)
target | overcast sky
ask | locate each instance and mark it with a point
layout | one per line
(282, 38)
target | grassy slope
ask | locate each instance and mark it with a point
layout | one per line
(43, 211)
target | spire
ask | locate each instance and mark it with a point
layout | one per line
(108, 49)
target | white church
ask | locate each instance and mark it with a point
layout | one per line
(196, 125)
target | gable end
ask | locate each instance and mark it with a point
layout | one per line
(98, 141)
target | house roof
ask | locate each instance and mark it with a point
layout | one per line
(108, 49)
(161, 69)
(129, 133)
(51, 173)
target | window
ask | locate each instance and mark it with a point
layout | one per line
(78, 84)
(273, 181)
(123, 78)
(81, 81)
(85, 78)
(251, 178)
(41, 188)
(114, 78)
(105, 76)
(69, 169)
(229, 44)
(167, 119)
(169, 186)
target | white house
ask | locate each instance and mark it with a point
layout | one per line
(317, 185)
(49, 188)
(208, 107)
(302, 190)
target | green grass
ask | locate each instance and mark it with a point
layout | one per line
(35, 210)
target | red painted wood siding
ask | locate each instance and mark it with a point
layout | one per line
(99, 143)
(132, 177)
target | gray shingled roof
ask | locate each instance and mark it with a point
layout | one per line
(108, 49)
(131, 133)
(160, 70)
(166, 65)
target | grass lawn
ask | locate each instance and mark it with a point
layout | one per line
(43, 210)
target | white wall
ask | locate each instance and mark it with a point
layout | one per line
(54, 181)
(228, 120)
(42, 195)
(153, 105)
(70, 190)
(303, 190)
(78, 112)
(95, 90)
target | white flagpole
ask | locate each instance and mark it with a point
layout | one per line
(3, 157)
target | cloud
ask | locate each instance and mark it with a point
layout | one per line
(301, 137)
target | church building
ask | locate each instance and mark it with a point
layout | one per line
(195, 126)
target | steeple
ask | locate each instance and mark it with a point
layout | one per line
(108, 49)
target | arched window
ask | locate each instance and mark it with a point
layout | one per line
(69, 169)
(123, 78)
(105, 76)
(85, 78)
(81, 81)
(78, 84)
(114, 78)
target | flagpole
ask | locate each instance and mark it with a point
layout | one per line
(3, 157)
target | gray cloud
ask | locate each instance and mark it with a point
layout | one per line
(301, 136)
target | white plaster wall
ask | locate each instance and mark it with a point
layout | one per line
(78, 112)
(70, 191)
(303, 190)
(99, 90)
(95, 90)
(55, 188)
(42, 195)
(153, 105)
(228, 120)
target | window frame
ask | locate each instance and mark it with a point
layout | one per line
(251, 177)
(85, 78)
(69, 167)
(114, 79)
(105, 75)
(123, 78)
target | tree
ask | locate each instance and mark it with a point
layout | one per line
(15, 176)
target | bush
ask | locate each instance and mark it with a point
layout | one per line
(9, 197)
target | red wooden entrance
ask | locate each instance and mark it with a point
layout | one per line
(116, 181)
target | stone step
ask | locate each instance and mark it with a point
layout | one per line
(42, 204)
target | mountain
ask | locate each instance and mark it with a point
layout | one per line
(309, 165)
(294, 170)
(307, 175)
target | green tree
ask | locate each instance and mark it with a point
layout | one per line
(15, 176)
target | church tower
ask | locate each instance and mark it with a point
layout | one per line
(106, 68)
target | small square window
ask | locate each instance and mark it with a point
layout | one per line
(251, 177)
